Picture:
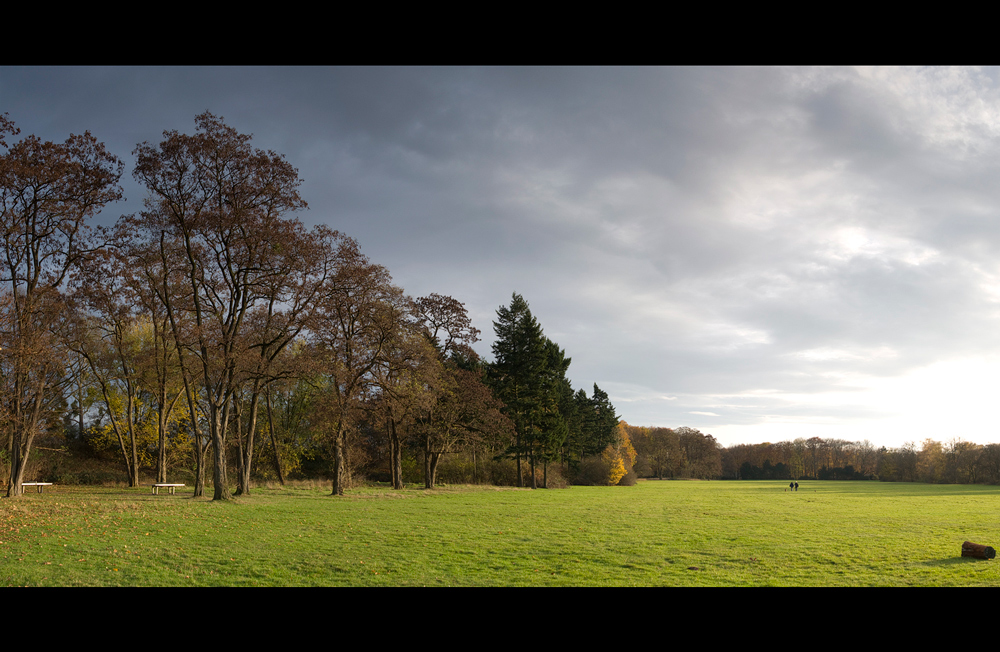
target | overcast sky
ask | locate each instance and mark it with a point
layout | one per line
(759, 253)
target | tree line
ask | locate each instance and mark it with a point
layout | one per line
(674, 452)
(213, 328)
(954, 461)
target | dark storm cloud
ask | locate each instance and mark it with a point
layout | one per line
(684, 233)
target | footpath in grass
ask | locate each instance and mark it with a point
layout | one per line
(669, 533)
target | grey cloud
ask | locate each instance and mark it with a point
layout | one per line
(686, 232)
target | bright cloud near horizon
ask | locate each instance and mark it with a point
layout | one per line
(759, 253)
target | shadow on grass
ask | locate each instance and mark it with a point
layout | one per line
(952, 561)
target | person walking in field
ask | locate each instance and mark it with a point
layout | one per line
(796, 486)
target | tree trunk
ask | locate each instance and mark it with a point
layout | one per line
(161, 455)
(134, 476)
(428, 474)
(129, 457)
(164, 406)
(431, 460)
(396, 453)
(200, 449)
(22, 435)
(200, 453)
(247, 451)
(219, 475)
(274, 441)
(338, 463)
(238, 413)
(17, 464)
(218, 422)
(79, 404)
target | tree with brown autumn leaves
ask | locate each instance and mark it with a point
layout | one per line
(355, 326)
(48, 193)
(463, 411)
(223, 204)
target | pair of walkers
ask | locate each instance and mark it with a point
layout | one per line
(793, 486)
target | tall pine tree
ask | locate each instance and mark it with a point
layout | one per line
(605, 420)
(529, 376)
(524, 375)
(591, 426)
(557, 404)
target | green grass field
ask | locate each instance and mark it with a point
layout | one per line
(682, 533)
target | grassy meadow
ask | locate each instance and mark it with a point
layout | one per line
(657, 533)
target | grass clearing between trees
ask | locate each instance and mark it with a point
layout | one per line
(657, 533)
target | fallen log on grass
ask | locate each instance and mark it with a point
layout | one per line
(978, 551)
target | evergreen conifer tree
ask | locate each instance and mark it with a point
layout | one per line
(520, 378)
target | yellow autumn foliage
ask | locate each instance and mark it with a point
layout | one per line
(103, 438)
(616, 465)
(619, 455)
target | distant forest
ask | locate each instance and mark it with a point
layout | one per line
(955, 461)
(687, 453)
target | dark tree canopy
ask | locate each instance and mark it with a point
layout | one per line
(529, 376)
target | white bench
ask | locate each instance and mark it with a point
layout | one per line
(172, 487)
(36, 484)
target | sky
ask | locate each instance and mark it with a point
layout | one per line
(759, 253)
